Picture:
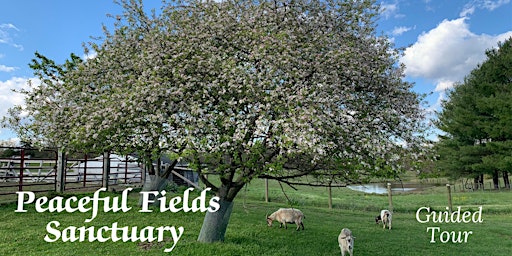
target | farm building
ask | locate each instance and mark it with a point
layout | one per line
(181, 169)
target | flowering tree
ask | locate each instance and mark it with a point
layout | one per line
(246, 89)
(117, 100)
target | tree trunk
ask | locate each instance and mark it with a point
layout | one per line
(155, 183)
(158, 167)
(506, 181)
(496, 180)
(479, 182)
(216, 223)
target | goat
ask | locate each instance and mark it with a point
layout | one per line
(386, 217)
(287, 215)
(346, 241)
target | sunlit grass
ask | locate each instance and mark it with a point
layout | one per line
(248, 234)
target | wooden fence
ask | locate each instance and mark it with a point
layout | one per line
(52, 170)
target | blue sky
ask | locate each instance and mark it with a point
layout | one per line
(443, 40)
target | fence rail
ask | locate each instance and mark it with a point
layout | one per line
(38, 171)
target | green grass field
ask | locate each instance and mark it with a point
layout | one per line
(248, 234)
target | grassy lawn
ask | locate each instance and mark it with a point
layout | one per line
(248, 234)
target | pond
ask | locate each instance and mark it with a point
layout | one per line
(381, 188)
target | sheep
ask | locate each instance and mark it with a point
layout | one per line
(378, 219)
(346, 241)
(386, 217)
(287, 215)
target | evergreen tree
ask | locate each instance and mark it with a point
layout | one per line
(477, 120)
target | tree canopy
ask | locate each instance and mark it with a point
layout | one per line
(242, 89)
(477, 119)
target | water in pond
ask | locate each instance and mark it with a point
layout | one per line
(379, 188)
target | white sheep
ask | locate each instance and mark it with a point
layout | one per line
(386, 217)
(346, 241)
(287, 215)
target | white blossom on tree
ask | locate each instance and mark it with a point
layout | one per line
(242, 89)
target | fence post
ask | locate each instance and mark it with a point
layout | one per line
(126, 170)
(266, 190)
(330, 195)
(106, 169)
(390, 199)
(450, 206)
(85, 169)
(22, 170)
(61, 171)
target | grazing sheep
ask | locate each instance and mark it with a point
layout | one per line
(378, 219)
(346, 241)
(386, 217)
(286, 215)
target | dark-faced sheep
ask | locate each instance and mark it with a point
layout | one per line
(346, 242)
(378, 219)
(286, 215)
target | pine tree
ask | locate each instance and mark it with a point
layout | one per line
(477, 120)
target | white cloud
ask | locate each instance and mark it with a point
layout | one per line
(4, 32)
(468, 10)
(400, 30)
(8, 26)
(4, 68)
(5, 35)
(441, 97)
(490, 5)
(447, 53)
(8, 95)
(8, 98)
(89, 56)
(18, 46)
(442, 85)
(389, 10)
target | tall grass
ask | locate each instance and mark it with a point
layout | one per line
(248, 234)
